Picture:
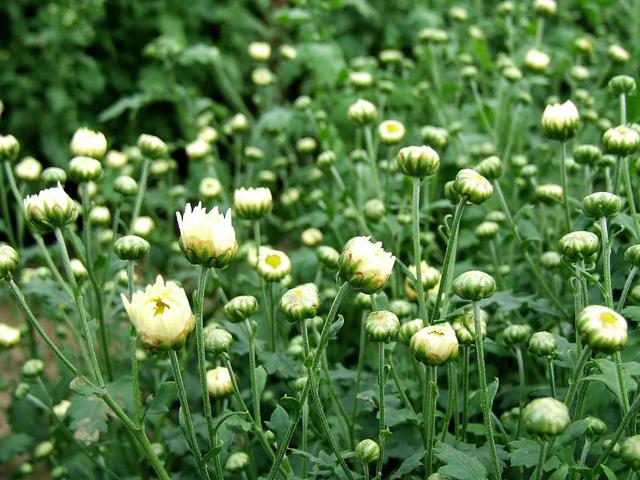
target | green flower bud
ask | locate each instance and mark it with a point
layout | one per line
(219, 382)
(402, 308)
(382, 326)
(634, 294)
(435, 136)
(152, 147)
(601, 204)
(126, 186)
(326, 159)
(50, 209)
(602, 328)
(363, 300)
(9, 148)
(549, 193)
(9, 336)
(450, 192)
(546, 417)
(131, 247)
(306, 145)
(631, 255)
(28, 170)
(474, 285)
(329, 257)
(630, 452)
(43, 450)
(408, 330)
(368, 451)
(374, 210)
(237, 462)
(435, 344)
(9, 260)
(21, 391)
(59, 472)
(490, 167)
(252, 203)
(217, 340)
(84, 169)
(51, 176)
(238, 309)
(78, 269)
(365, 265)
(100, 216)
(579, 245)
(88, 143)
(417, 161)
(550, 260)
(300, 302)
(621, 140)
(464, 326)
(615, 451)
(543, 344)
(472, 186)
(587, 154)
(560, 121)
(595, 427)
(622, 84)
(486, 230)
(362, 112)
(33, 368)
(25, 469)
(516, 334)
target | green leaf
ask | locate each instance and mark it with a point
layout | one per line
(459, 465)
(524, 453)
(261, 379)
(336, 326)
(13, 445)
(160, 402)
(279, 422)
(408, 465)
(608, 472)
(609, 377)
(88, 418)
(631, 313)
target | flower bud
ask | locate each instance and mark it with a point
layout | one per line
(240, 308)
(33, 368)
(126, 186)
(368, 451)
(382, 326)
(490, 167)
(43, 450)
(131, 247)
(261, 77)
(326, 159)
(238, 123)
(9, 148)
(216, 340)
(9, 260)
(78, 269)
(601, 204)
(546, 417)
(435, 344)
(549, 193)
(161, 315)
(435, 136)
(252, 203)
(418, 161)
(219, 382)
(151, 147)
(363, 300)
(311, 237)
(621, 140)
(579, 245)
(100, 216)
(362, 112)
(50, 209)
(631, 255)
(84, 169)
(587, 154)
(622, 84)
(9, 336)
(630, 452)
(545, 7)
(618, 54)
(237, 462)
(487, 230)
(474, 285)
(273, 265)
(301, 302)
(391, 132)
(374, 210)
(360, 79)
(51, 176)
(472, 186)
(60, 409)
(537, 60)
(464, 326)
(365, 265)
(329, 257)
(259, 51)
(207, 238)
(560, 121)
(28, 170)
(615, 451)
(402, 308)
(543, 344)
(409, 329)
(602, 328)
(87, 143)
(198, 149)
(516, 334)
(595, 427)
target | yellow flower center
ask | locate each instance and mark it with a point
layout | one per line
(608, 318)
(273, 261)
(160, 306)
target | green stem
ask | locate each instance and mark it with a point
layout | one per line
(133, 340)
(429, 408)
(521, 386)
(255, 398)
(577, 375)
(5, 211)
(361, 354)
(627, 287)
(373, 161)
(606, 262)
(482, 376)
(630, 196)
(184, 403)
(480, 106)
(417, 257)
(314, 370)
(565, 187)
(550, 376)
(542, 455)
(622, 384)
(381, 420)
(402, 391)
(142, 186)
(466, 352)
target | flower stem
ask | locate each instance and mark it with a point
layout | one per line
(417, 257)
(565, 186)
(142, 186)
(542, 455)
(466, 353)
(430, 405)
(133, 340)
(381, 421)
(550, 376)
(373, 161)
(361, 354)
(482, 376)
(5, 211)
(255, 398)
(577, 375)
(628, 190)
(627, 287)
(521, 385)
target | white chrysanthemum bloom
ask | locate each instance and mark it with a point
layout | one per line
(362, 111)
(259, 51)
(366, 265)
(207, 238)
(289, 52)
(301, 302)
(60, 409)
(198, 149)
(262, 77)
(537, 60)
(87, 143)
(208, 134)
(50, 209)
(210, 188)
(602, 328)
(28, 170)
(143, 226)
(360, 79)
(391, 131)
(273, 265)
(9, 336)
(560, 120)
(219, 382)
(161, 315)
(115, 159)
(252, 203)
(618, 54)
(253, 254)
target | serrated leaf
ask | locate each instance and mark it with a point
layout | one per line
(88, 418)
(13, 445)
(524, 453)
(459, 465)
(408, 465)
(279, 422)
(162, 399)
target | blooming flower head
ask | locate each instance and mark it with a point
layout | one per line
(365, 265)
(50, 209)
(273, 265)
(300, 302)
(391, 131)
(602, 328)
(161, 314)
(207, 238)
